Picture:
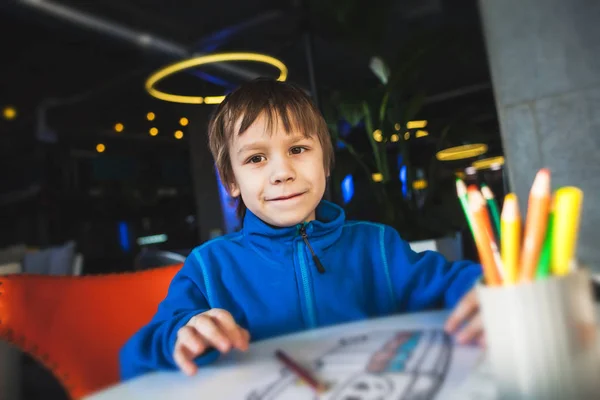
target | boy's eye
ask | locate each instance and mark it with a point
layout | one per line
(255, 159)
(297, 150)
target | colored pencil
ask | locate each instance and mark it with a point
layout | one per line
(510, 237)
(483, 241)
(493, 206)
(485, 219)
(567, 210)
(301, 372)
(535, 224)
(543, 268)
(461, 191)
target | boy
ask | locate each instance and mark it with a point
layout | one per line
(296, 263)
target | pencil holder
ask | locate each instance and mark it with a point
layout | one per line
(542, 338)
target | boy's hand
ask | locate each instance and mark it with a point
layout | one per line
(467, 313)
(213, 328)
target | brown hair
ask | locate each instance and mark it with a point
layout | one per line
(276, 100)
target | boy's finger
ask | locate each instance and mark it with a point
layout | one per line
(245, 338)
(246, 335)
(211, 333)
(481, 341)
(183, 359)
(465, 308)
(472, 331)
(228, 325)
(189, 339)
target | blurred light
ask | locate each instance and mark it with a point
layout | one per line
(488, 163)
(344, 127)
(378, 136)
(153, 131)
(347, 188)
(402, 177)
(124, 236)
(460, 174)
(394, 138)
(397, 126)
(416, 124)
(228, 207)
(470, 171)
(100, 148)
(150, 116)
(153, 239)
(421, 133)
(183, 121)
(119, 127)
(202, 60)
(406, 135)
(178, 134)
(214, 99)
(9, 113)
(377, 177)
(462, 152)
(419, 184)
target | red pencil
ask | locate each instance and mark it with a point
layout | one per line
(302, 373)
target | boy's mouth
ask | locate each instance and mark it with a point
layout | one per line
(286, 197)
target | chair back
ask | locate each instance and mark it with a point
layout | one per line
(75, 326)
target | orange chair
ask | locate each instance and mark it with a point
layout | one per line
(75, 326)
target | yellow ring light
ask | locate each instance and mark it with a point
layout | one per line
(202, 60)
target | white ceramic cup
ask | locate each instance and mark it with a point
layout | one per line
(542, 338)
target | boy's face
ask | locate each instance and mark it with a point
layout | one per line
(280, 176)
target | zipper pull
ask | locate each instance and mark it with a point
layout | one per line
(316, 260)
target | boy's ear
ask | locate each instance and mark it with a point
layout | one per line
(234, 190)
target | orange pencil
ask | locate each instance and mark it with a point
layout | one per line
(483, 239)
(486, 220)
(487, 224)
(536, 223)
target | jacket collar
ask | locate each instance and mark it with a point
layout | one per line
(270, 240)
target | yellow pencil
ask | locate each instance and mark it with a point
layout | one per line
(510, 237)
(567, 211)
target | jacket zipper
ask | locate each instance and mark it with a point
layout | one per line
(316, 260)
(310, 307)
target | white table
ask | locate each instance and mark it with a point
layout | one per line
(238, 374)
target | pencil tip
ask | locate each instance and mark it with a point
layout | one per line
(541, 183)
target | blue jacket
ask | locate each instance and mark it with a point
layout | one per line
(268, 279)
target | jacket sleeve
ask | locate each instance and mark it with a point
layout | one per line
(151, 348)
(426, 280)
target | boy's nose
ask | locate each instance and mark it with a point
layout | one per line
(282, 172)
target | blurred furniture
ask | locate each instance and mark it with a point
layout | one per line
(449, 247)
(10, 356)
(55, 260)
(150, 258)
(75, 326)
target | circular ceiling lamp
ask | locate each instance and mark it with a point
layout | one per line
(491, 162)
(462, 152)
(203, 60)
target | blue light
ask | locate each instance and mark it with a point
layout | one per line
(402, 177)
(344, 127)
(229, 207)
(124, 236)
(347, 188)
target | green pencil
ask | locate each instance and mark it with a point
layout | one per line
(461, 191)
(493, 206)
(543, 267)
